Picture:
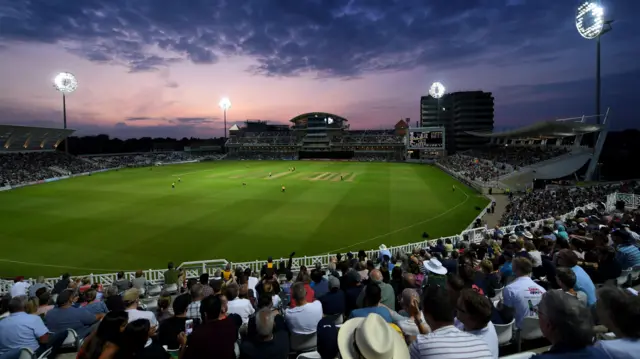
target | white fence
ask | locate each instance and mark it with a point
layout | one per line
(194, 269)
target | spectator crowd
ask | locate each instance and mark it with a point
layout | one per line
(474, 169)
(565, 282)
(517, 156)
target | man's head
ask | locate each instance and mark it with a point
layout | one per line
(474, 309)
(567, 258)
(232, 291)
(216, 285)
(131, 297)
(204, 278)
(619, 311)
(372, 295)
(120, 275)
(170, 265)
(66, 297)
(40, 280)
(180, 304)
(565, 278)
(334, 284)
(18, 304)
(376, 275)
(298, 293)
(66, 276)
(437, 307)
(197, 292)
(407, 296)
(564, 320)
(213, 307)
(409, 280)
(522, 267)
(264, 323)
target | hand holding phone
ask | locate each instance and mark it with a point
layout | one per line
(188, 326)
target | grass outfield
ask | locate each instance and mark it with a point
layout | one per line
(132, 219)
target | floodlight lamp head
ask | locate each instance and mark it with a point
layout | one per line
(590, 20)
(224, 103)
(65, 82)
(436, 90)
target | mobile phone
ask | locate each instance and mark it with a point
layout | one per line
(188, 326)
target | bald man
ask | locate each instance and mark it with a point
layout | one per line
(388, 295)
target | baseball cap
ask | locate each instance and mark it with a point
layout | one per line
(327, 338)
(131, 295)
(334, 282)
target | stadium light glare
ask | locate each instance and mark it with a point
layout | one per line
(590, 20)
(65, 83)
(437, 90)
(225, 104)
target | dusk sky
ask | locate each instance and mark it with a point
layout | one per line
(159, 67)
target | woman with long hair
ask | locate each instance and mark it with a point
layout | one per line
(136, 343)
(105, 342)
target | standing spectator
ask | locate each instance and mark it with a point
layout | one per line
(474, 312)
(171, 275)
(193, 311)
(619, 311)
(62, 284)
(319, 284)
(19, 287)
(21, 330)
(568, 259)
(566, 279)
(334, 301)
(236, 305)
(304, 317)
(445, 340)
(306, 281)
(215, 337)
(269, 344)
(252, 281)
(39, 284)
(567, 324)
(206, 288)
(65, 316)
(171, 327)
(388, 295)
(523, 294)
(122, 283)
(354, 287)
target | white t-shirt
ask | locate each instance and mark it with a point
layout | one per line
(518, 294)
(449, 343)
(242, 307)
(536, 258)
(488, 335)
(19, 288)
(251, 284)
(409, 327)
(135, 314)
(276, 301)
(304, 319)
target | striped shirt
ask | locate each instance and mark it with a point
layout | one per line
(628, 255)
(449, 343)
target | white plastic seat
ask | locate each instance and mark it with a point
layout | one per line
(309, 355)
(72, 340)
(498, 295)
(154, 291)
(171, 288)
(529, 330)
(525, 355)
(635, 273)
(303, 342)
(505, 332)
(623, 278)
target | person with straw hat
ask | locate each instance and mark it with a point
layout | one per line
(370, 338)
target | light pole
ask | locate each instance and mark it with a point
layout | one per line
(591, 24)
(225, 104)
(65, 83)
(436, 91)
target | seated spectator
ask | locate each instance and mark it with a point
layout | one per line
(269, 289)
(566, 279)
(567, 324)
(44, 304)
(334, 301)
(131, 298)
(34, 288)
(122, 283)
(216, 336)
(306, 280)
(136, 342)
(21, 330)
(327, 339)
(86, 284)
(319, 284)
(163, 311)
(568, 259)
(20, 287)
(139, 282)
(107, 339)
(619, 311)
(627, 254)
(303, 318)
(474, 312)
(413, 323)
(93, 305)
(236, 305)
(279, 322)
(370, 338)
(388, 296)
(171, 327)
(523, 294)
(65, 316)
(269, 343)
(371, 304)
(445, 340)
(506, 270)
(193, 311)
(353, 283)
(491, 278)
(113, 300)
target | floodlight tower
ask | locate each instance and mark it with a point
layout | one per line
(225, 104)
(436, 91)
(591, 24)
(65, 83)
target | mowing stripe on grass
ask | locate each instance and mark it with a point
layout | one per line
(403, 228)
(277, 175)
(59, 266)
(340, 177)
(320, 176)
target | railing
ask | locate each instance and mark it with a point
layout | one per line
(194, 269)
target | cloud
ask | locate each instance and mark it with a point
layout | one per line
(171, 84)
(195, 120)
(130, 119)
(329, 38)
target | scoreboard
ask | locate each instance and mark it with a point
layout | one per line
(425, 138)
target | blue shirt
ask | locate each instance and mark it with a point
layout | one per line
(559, 352)
(59, 320)
(320, 288)
(333, 303)
(364, 312)
(97, 308)
(584, 283)
(621, 348)
(628, 256)
(506, 269)
(21, 330)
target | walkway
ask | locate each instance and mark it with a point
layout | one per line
(493, 219)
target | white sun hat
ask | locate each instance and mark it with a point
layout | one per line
(433, 265)
(371, 338)
(382, 247)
